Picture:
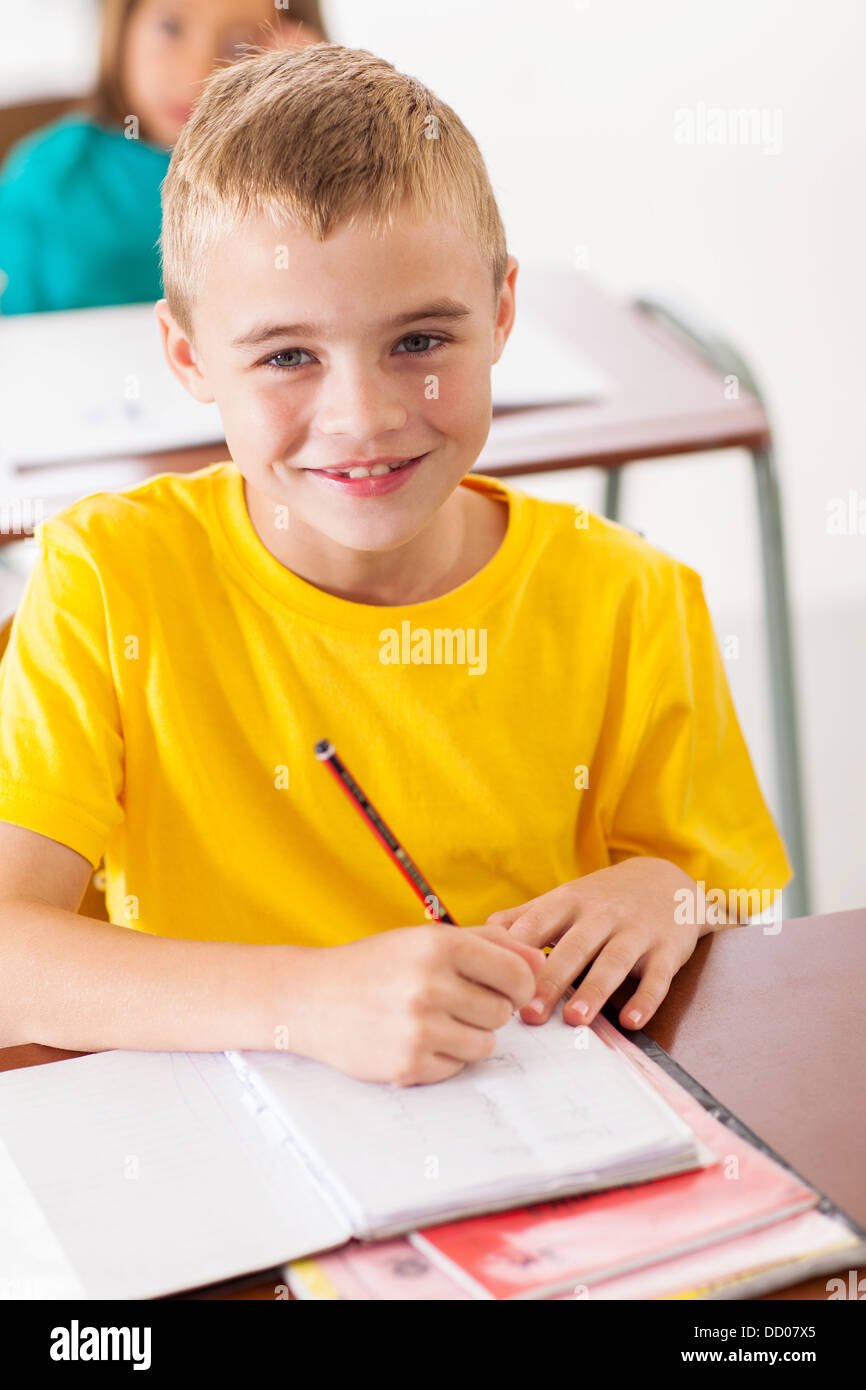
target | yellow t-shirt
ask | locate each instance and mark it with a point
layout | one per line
(167, 679)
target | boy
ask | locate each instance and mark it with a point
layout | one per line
(563, 773)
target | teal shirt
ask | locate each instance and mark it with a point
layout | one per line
(80, 217)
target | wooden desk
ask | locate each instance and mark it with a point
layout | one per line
(774, 1027)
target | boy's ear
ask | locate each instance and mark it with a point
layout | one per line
(180, 354)
(505, 313)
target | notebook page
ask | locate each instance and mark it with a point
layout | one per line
(553, 1102)
(33, 1264)
(155, 1173)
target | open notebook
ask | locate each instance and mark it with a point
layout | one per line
(136, 1174)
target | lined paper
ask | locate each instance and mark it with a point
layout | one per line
(33, 1263)
(554, 1109)
(155, 1173)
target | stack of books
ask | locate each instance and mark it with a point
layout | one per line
(740, 1226)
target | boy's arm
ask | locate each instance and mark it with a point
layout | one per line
(402, 1006)
(85, 985)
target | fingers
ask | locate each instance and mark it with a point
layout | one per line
(480, 1007)
(507, 915)
(539, 920)
(452, 1042)
(442, 1048)
(488, 956)
(461, 1042)
(437, 1067)
(609, 970)
(562, 967)
(501, 937)
(654, 985)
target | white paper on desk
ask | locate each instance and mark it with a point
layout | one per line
(33, 1263)
(543, 1117)
(154, 1173)
(92, 383)
(539, 367)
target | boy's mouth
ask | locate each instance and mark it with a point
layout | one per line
(368, 481)
(364, 470)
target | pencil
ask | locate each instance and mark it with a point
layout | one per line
(327, 753)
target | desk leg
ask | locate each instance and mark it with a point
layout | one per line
(613, 478)
(782, 688)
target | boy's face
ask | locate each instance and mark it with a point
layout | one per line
(383, 369)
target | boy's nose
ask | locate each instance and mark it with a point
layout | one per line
(359, 407)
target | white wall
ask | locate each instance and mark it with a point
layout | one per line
(574, 106)
(47, 49)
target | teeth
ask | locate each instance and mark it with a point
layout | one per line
(377, 471)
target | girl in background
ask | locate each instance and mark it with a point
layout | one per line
(80, 198)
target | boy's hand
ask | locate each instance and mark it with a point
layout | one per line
(415, 1004)
(623, 917)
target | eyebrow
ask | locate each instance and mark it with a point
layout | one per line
(450, 309)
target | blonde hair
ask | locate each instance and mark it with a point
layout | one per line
(320, 136)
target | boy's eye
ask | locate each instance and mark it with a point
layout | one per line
(277, 359)
(170, 26)
(289, 352)
(424, 337)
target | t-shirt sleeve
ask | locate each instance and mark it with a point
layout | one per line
(689, 792)
(61, 744)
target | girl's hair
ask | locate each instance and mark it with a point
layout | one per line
(318, 136)
(107, 104)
